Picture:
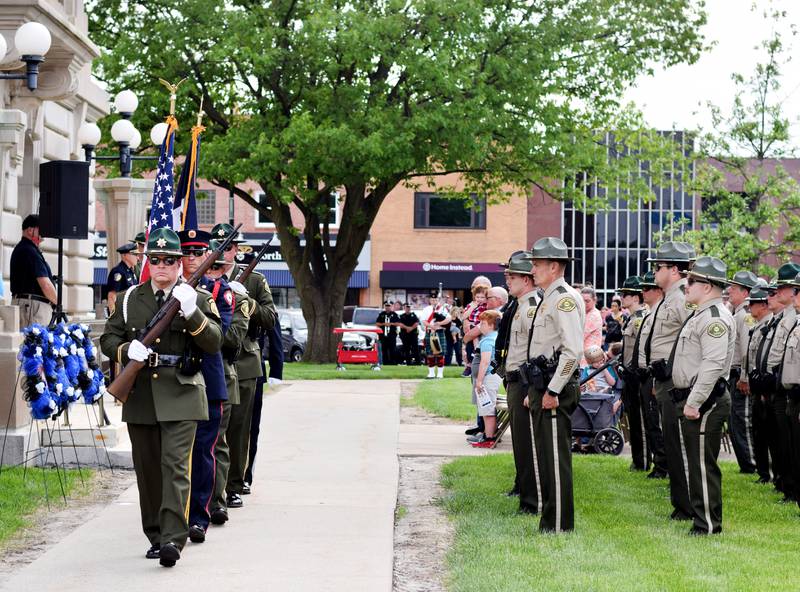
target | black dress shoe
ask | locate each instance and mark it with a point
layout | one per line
(152, 552)
(246, 489)
(472, 431)
(678, 515)
(234, 501)
(169, 554)
(197, 534)
(219, 516)
(656, 474)
(694, 531)
(762, 480)
(527, 509)
(513, 493)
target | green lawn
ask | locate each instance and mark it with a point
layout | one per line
(449, 397)
(623, 539)
(20, 498)
(309, 371)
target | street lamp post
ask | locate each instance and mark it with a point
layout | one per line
(124, 134)
(32, 42)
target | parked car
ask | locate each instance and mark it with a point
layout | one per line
(294, 334)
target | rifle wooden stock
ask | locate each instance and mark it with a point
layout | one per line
(122, 385)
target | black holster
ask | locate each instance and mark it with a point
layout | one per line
(679, 395)
(190, 360)
(661, 370)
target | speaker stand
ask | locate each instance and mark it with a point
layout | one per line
(58, 313)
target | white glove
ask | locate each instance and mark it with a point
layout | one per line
(238, 288)
(138, 351)
(187, 296)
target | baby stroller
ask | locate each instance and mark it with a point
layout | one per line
(595, 419)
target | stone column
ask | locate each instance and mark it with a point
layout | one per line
(126, 201)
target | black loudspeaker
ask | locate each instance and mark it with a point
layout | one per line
(64, 199)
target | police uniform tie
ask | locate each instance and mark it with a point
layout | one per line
(159, 299)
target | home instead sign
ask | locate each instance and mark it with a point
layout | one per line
(428, 274)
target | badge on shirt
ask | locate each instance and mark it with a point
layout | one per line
(717, 329)
(690, 306)
(117, 276)
(566, 304)
(637, 323)
(531, 312)
(749, 321)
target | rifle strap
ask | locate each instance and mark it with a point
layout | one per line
(125, 303)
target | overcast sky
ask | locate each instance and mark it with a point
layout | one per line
(676, 96)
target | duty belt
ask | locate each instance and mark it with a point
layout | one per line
(513, 376)
(157, 359)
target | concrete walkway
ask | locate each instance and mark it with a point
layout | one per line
(321, 516)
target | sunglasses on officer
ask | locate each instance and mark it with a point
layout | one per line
(658, 266)
(691, 281)
(218, 266)
(168, 261)
(193, 252)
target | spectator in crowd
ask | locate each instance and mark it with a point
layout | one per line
(388, 321)
(32, 287)
(613, 323)
(468, 348)
(593, 328)
(471, 322)
(487, 383)
(496, 298)
(409, 335)
(602, 382)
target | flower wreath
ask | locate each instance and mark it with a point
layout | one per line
(67, 366)
(38, 365)
(89, 380)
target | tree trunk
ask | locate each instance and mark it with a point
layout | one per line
(322, 309)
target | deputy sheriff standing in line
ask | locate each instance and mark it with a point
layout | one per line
(631, 292)
(519, 280)
(671, 258)
(123, 275)
(248, 366)
(652, 295)
(783, 323)
(231, 348)
(556, 349)
(168, 397)
(759, 309)
(740, 423)
(701, 365)
(790, 381)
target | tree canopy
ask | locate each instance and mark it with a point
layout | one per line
(310, 96)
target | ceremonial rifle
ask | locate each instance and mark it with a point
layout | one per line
(256, 260)
(122, 385)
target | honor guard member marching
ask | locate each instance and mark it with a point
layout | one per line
(670, 260)
(123, 275)
(194, 246)
(740, 423)
(168, 397)
(759, 309)
(553, 368)
(701, 364)
(783, 323)
(790, 381)
(652, 295)
(520, 286)
(248, 366)
(631, 292)
(231, 346)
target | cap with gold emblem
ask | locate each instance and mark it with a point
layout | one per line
(549, 247)
(194, 238)
(222, 230)
(709, 269)
(164, 241)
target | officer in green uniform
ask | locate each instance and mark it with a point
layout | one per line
(123, 275)
(670, 259)
(741, 420)
(701, 364)
(231, 345)
(248, 367)
(631, 292)
(139, 241)
(521, 287)
(556, 350)
(168, 397)
(756, 343)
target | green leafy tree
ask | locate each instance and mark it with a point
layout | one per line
(311, 97)
(750, 205)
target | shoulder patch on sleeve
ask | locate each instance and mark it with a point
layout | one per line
(717, 329)
(567, 304)
(117, 276)
(213, 306)
(246, 308)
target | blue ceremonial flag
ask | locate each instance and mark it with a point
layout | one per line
(184, 209)
(163, 189)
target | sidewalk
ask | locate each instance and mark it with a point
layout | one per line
(321, 516)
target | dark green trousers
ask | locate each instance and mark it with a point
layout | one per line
(552, 430)
(702, 438)
(162, 459)
(793, 412)
(239, 435)
(674, 449)
(640, 453)
(525, 461)
(652, 425)
(223, 455)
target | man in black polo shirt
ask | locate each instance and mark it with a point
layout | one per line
(32, 286)
(388, 321)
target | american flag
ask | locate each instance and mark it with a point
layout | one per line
(163, 189)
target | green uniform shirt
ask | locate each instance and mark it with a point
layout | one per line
(262, 316)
